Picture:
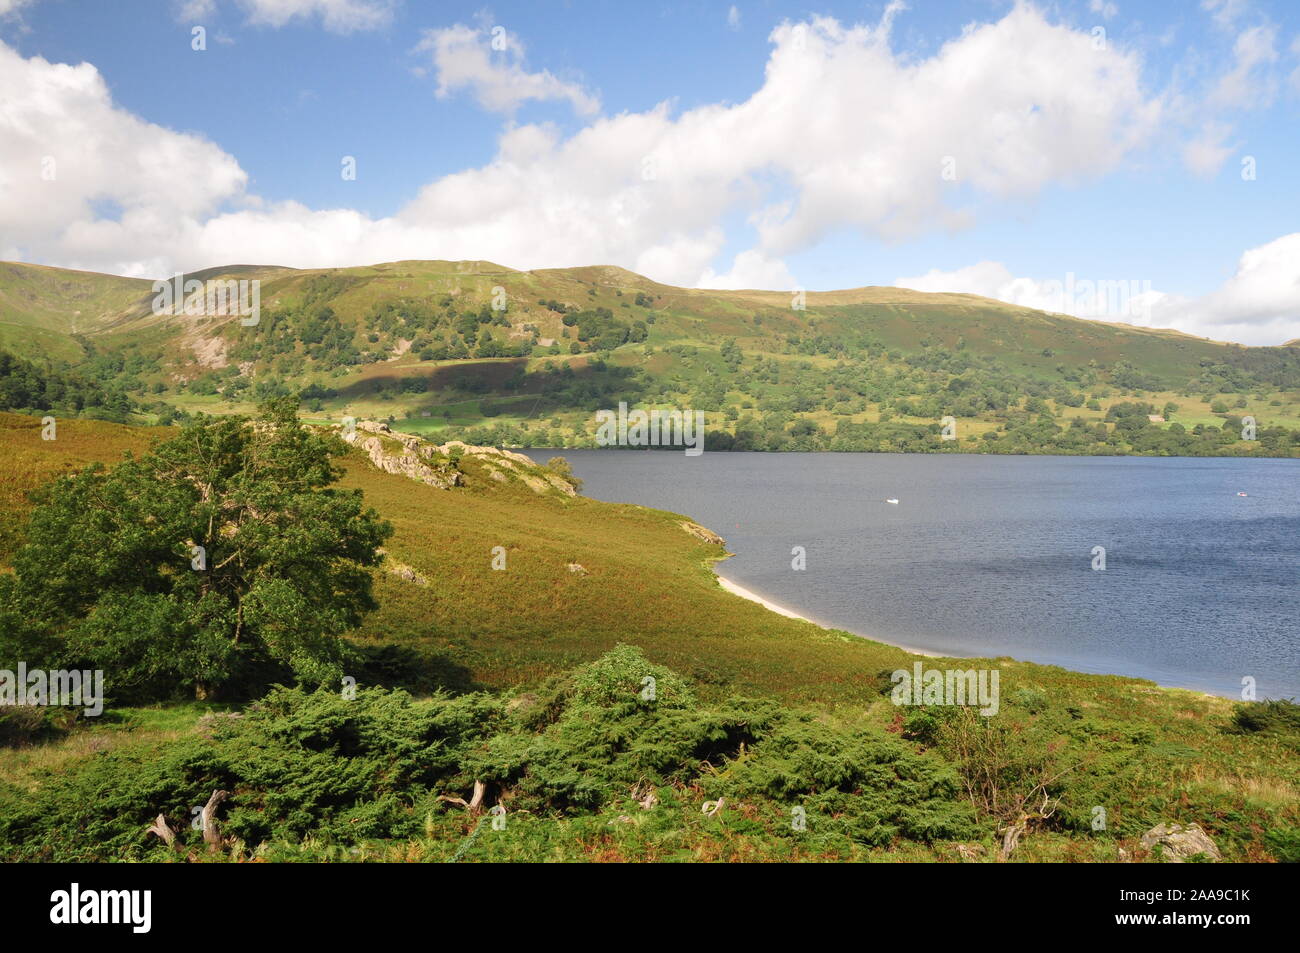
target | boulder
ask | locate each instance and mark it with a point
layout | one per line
(1179, 842)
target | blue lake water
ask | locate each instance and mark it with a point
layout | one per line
(988, 555)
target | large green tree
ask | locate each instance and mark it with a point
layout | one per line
(222, 558)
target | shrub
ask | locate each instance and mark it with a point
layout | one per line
(335, 770)
(29, 724)
(1275, 717)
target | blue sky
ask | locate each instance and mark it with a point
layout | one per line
(756, 144)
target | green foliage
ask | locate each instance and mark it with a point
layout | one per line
(873, 788)
(110, 578)
(25, 387)
(619, 679)
(297, 764)
(1271, 717)
(380, 765)
(30, 724)
(1285, 844)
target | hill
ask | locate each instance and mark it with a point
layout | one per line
(495, 355)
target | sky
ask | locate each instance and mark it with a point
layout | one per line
(1122, 160)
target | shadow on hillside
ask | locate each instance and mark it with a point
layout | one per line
(563, 383)
(415, 671)
(483, 376)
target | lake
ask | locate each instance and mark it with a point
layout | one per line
(994, 555)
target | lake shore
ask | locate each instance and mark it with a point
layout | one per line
(738, 590)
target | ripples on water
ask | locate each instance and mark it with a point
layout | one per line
(989, 555)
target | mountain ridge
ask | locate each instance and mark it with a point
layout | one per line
(862, 294)
(526, 357)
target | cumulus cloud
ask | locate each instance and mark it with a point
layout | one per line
(1259, 304)
(463, 57)
(751, 270)
(842, 133)
(1113, 299)
(66, 152)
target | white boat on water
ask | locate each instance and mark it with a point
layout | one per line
(892, 500)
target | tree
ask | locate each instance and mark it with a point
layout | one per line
(224, 556)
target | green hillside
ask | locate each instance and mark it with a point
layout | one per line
(494, 355)
(518, 682)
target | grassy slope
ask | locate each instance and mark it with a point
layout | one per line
(37, 306)
(1156, 753)
(41, 308)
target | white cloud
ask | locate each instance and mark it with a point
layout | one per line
(64, 148)
(842, 133)
(861, 132)
(733, 17)
(463, 58)
(1205, 154)
(1103, 8)
(1259, 304)
(1248, 84)
(751, 270)
(338, 16)
(1226, 12)
(187, 11)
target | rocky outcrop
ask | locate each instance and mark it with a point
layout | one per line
(412, 461)
(435, 464)
(402, 571)
(700, 532)
(508, 463)
(1178, 842)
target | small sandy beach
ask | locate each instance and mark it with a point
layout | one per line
(739, 590)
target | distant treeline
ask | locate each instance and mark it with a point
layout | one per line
(28, 388)
(25, 387)
(1131, 435)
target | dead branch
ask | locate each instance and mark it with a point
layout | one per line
(163, 831)
(211, 834)
(474, 804)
